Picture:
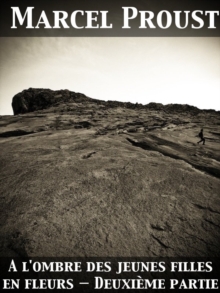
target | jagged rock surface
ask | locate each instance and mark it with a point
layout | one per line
(82, 177)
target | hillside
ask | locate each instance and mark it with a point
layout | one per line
(84, 177)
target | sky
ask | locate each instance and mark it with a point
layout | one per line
(143, 70)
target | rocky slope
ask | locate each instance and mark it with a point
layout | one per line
(83, 177)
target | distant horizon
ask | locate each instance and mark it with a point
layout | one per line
(151, 102)
(136, 70)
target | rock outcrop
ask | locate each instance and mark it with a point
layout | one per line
(83, 177)
(38, 99)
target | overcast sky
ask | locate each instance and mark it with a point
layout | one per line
(143, 70)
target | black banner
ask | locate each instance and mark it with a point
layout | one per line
(123, 18)
(111, 274)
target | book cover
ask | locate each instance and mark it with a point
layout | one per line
(109, 139)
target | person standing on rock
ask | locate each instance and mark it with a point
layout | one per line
(201, 136)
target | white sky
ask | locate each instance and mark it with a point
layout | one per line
(143, 70)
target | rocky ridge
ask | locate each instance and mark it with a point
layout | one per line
(38, 99)
(84, 177)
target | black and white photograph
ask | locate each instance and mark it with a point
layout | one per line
(110, 130)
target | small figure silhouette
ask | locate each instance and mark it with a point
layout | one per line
(201, 136)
